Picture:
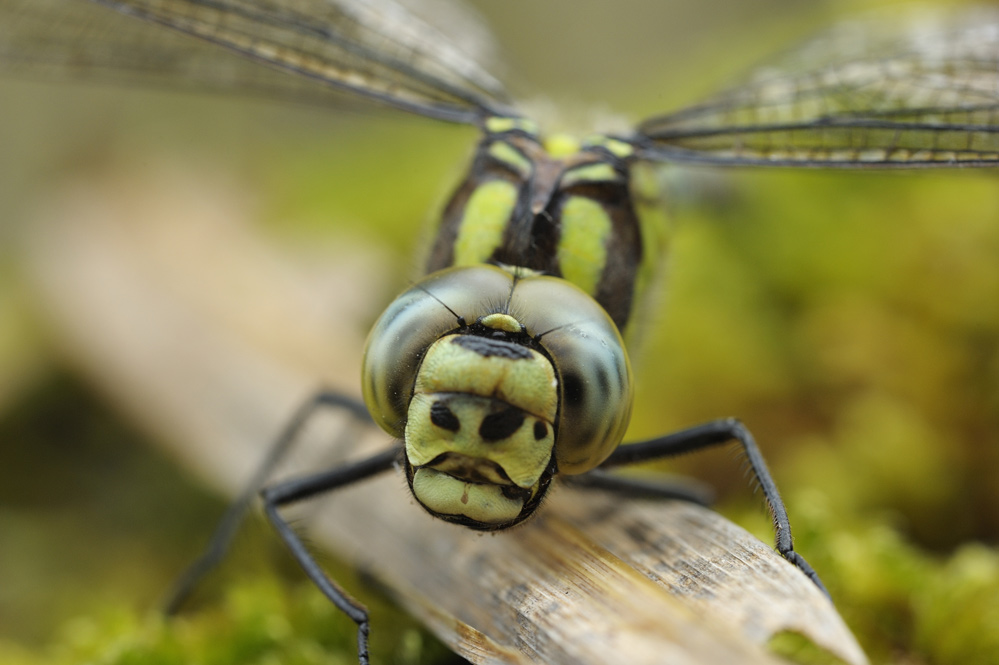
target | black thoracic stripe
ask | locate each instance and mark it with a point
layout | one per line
(616, 289)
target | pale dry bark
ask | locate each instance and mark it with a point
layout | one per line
(208, 337)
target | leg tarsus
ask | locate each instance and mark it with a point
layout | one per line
(362, 641)
(209, 559)
(671, 488)
(805, 567)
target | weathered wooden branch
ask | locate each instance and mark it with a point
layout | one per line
(208, 337)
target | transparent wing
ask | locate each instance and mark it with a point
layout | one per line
(911, 91)
(309, 50)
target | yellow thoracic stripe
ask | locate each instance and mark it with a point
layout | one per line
(599, 172)
(498, 125)
(485, 219)
(616, 147)
(560, 146)
(506, 153)
(582, 247)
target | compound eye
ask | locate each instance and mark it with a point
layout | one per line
(411, 324)
(593, 368)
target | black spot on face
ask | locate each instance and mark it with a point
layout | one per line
(487, 347)
(444, 417)
(572, 386)
(540, 430)
(498, 426)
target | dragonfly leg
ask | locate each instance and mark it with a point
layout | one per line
(298, 489)
(715, 433)
(679, 488)
(228, 526)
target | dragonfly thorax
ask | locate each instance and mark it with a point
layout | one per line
(554, 205)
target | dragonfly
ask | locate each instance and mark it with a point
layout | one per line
(506, 366)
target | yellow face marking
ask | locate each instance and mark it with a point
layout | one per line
(526, 383)
(486, 216)
(481, 422)
(561, 145)
(446, 495)
(582, 250)
(498, 125)
(599, 172)
(503, 322)
(506, 153)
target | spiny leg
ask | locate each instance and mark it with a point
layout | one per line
(711, 434)
(226, 530)
(678, 488)
(303, 488)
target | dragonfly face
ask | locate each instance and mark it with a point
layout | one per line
(480, 427)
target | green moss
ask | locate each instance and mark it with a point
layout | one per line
(799, 649)
(957, 610)
(261, 622)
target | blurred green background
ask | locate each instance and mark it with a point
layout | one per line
(850, 319)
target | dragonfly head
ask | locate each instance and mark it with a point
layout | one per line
(497, 380)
